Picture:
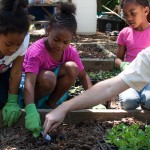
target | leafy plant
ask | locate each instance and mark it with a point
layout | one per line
(100, 76)
(75, 90)
(127, 137)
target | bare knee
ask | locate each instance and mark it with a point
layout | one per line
(71, 70)
(46, 80)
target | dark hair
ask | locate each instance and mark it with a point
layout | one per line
(13, 17)
(144, 3)
(64, 18)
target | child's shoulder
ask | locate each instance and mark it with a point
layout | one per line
(126, 29)
(71, 47)
(36, 47)
(71, 50)
(38, 42)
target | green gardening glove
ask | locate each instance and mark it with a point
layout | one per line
(123, 65)
(32, 120)
(11, 111)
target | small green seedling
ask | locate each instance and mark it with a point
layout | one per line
(127, 137)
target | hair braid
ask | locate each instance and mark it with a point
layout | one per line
(65, 17)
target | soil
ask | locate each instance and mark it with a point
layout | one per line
(87, 135)
(88, 45)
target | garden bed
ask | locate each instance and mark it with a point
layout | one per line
(84, 135)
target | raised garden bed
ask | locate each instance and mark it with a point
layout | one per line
(85, 129)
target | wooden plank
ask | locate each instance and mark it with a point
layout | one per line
(96, 64)
(106, 115)
(90, 114)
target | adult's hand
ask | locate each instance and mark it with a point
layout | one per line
(54, 118)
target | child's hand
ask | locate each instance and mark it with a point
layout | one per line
(11, 111)
(32, 120)
(124, 65)
(54, 118)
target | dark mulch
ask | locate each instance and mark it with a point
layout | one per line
(87, 135)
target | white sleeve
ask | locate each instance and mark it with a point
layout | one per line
(23, 48)
(137, 74)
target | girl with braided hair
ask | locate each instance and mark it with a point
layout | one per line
(131, 41)
(51, 66)
(14, 40)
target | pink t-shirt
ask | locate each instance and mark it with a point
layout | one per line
(37, 58)
(135, 41)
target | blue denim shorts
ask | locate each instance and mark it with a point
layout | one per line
(42, 102)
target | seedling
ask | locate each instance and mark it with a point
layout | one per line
(127, 137)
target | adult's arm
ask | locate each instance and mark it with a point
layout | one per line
(97, 94)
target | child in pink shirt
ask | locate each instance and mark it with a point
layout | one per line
(131, 41)
(51, 66)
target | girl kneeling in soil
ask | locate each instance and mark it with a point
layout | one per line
(51, 66)
(131, 41)
(14, 40)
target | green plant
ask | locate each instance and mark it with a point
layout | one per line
(127, 137)
(100, 76)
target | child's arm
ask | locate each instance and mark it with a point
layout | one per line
(29, 88)
(15, 75)
(11, 111)
(32, 119)
(120, 54)
(85, 80)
